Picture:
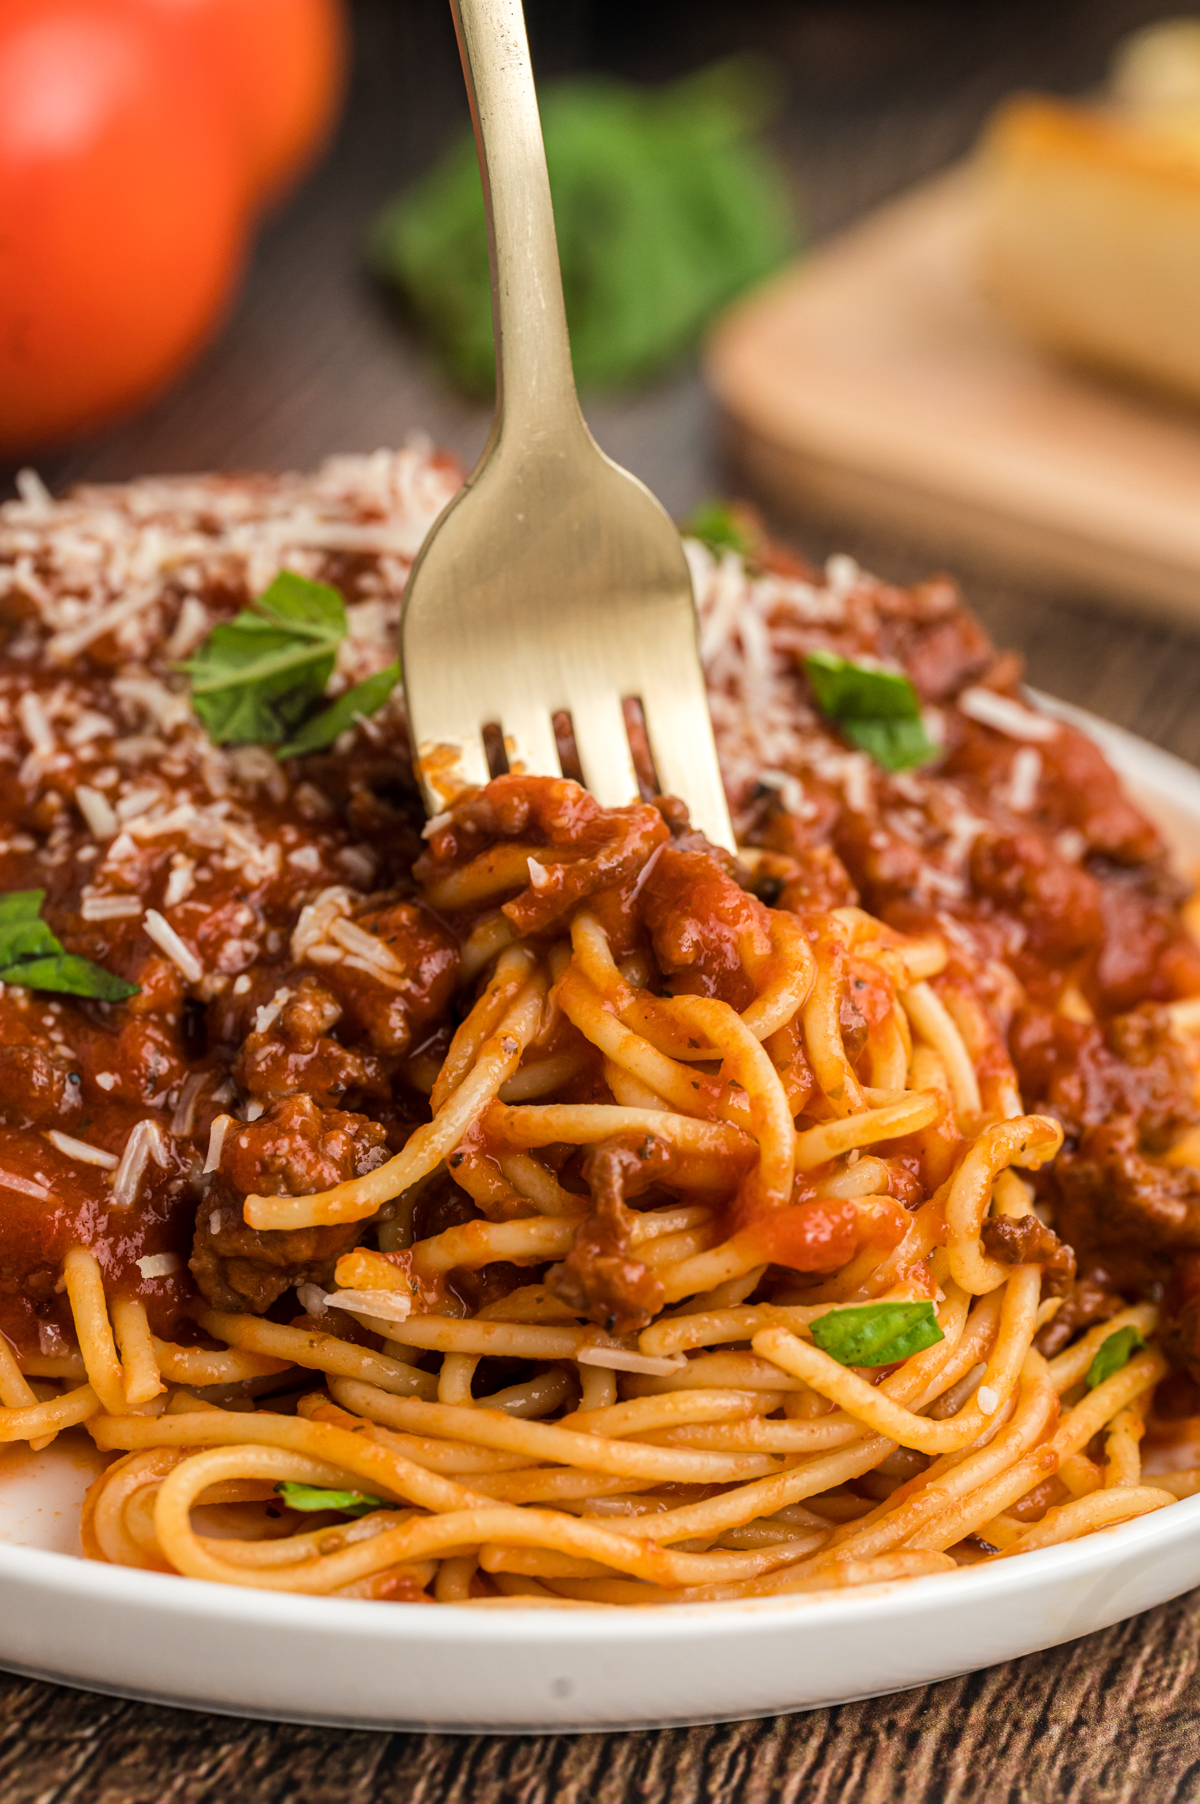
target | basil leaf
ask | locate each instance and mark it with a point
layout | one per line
(258, 676)
(877, 710)
(21, 905)
(315, 1497)
(667, 204)
(716, 524)
(364, 699)
(259, 679)
(850, 691)
(1114, 1353)
(23, 933)
(304, 606)
(894, 744)
(877, 1334)
(70, 975)
(31, 955)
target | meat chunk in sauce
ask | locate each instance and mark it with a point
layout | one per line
(296, 1148)
(293, 1150)
(391, 997)
(294, 1054)
(39, 1087)
(701, 924)
(602, 1277)
(237, 1268)
(1027, 1241)
(1118, 1202)
(1084, 1073)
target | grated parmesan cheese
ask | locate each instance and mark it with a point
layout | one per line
(82, 1150)
(216, 1140)
(167, 940)
(617, 1359)
(1004, 715)
(159, 1265)
(95, 907)
(146, 1142)
(97, 811)
(1023, 779)
(382, 1305)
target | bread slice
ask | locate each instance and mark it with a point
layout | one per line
(1091, 238)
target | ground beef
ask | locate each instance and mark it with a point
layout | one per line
(295, 1055)
(1027, 1241)
(293, 1149)
(240, 1268)
(601, 1277)
(1092, 1298)
(1084, 1073)
(1114, 1198)
(699, 921)
(39, 1087)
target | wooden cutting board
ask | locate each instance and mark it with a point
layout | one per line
(872, 382)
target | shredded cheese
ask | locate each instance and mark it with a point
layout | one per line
(159, 929)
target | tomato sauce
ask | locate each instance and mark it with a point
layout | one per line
(296, 993)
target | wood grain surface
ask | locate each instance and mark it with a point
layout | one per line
(883, 92)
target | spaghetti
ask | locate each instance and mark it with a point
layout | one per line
(612, 1384)
(587, 1219)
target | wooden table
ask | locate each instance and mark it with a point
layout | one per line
(884, 91)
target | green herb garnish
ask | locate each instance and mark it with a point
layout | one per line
(1114, 1353)
(350, 707)
(877, 1334)
(666, 204)
(717, 525)
(256, 677)
(314, 1497)
(31, 955)
(260, 678)
(877, 710)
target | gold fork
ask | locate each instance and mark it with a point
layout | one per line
(554, 580)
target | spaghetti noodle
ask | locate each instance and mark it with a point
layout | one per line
(586, 1219)
(609, 1385)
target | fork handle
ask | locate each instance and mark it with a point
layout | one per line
(535, 386)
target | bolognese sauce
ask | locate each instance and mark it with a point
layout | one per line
(1052, 889)
(535, 1073)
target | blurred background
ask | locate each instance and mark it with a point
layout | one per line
(877, 94)
(863, 99)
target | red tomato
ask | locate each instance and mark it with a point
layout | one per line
(122, 202)
(284, 63)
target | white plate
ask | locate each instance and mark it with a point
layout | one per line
(410, 1666)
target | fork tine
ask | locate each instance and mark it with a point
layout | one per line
(599, 723)
(685, 755)
(529, 742)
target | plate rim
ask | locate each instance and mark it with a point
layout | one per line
(167, 1593)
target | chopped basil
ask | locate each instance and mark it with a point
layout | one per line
(31, 955)
(349, 708)
(315, 1497)
(877, 710)
(716, 524)
(877, 1334)
(259, 679)
(1114, 1353)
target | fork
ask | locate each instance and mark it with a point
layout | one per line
(553, 581)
